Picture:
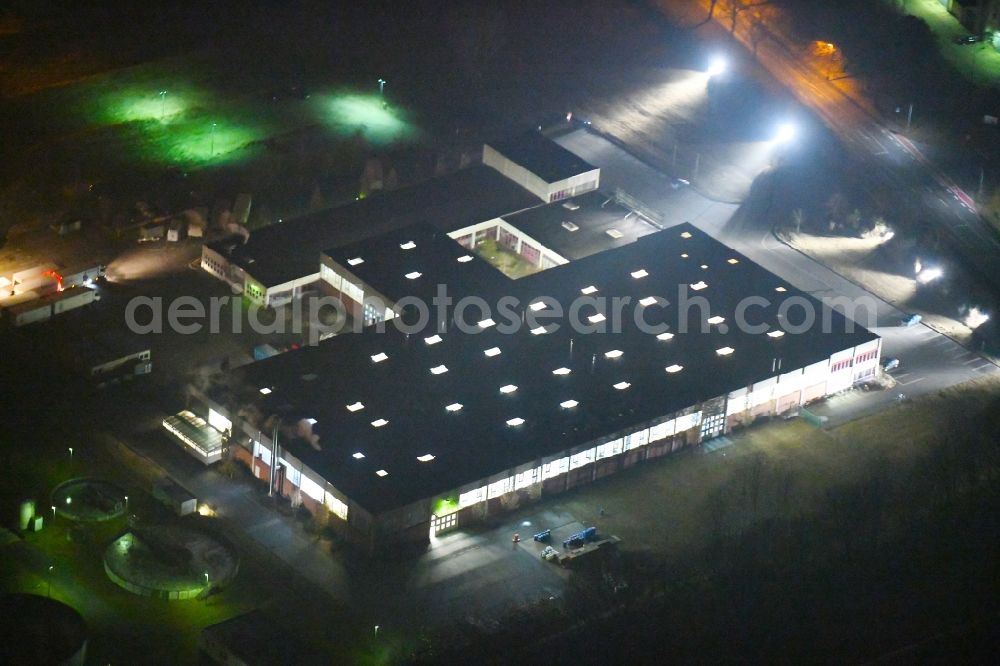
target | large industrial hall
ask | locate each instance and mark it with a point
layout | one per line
(402, 435)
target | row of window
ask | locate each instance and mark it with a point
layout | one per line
(867, 356)
(857, 360)
(563, 465)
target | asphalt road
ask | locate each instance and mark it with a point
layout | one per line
(922, 190)
(929, 361)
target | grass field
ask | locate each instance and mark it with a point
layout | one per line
(676, 506)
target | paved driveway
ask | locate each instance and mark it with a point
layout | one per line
(930, 361)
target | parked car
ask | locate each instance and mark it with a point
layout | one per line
(964, 40)
(677, 183)
(911, 319)
(890, 363)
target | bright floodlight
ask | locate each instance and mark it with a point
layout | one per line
(786, 132)
(716, 66)
(929, 275)
(976, 318)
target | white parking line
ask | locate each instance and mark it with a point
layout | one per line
(918, 379)
(974, 359)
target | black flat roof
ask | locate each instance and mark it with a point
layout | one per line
(594, 214)
(541, 156)
(475, 442)
(282, 252)
(413, 260)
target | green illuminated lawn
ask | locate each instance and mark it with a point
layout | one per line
(163, 114)
(980, 63)
(350, 113)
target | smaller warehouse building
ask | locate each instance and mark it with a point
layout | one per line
(542, 166)
(281, 262)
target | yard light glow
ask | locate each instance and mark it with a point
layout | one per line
(929, 275)
(976, 318)
(786, 132)
(717, 65)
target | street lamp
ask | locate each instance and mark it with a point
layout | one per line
(381, 87)
(53, 513)
(163, 99)
(786, 132)
(48, 582)
(716, 66)
(376, 631)
(206, 579)
(70, 454)
(211, 152)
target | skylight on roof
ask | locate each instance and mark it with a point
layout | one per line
(568, 404)
(775, 334)
(486, 323)
(569, 226)
(378, 423)
(408, 245)
(439, 369)
(516, 421)
(382, 472)
(357, 455)
(265, 391)
(433, 340)
(538, 330)
(674, 368)
(379, 357)
(780, 289)
(684, 255)
(614, 353)
(508, 388)
(561, 371)
(427, 457)
(665, 336)
(699, 285)
(454, 407)
(621, 386)
(355, 406)
(685, 234)
(588, 290)
(464, 258)
(614, 233)
(596, 318)
(492, 351)
(355, 261)
(641, 273)
(715, 320)
(733, 261)
(536, 306)
(310, 421)
(704, 267)
(646, 302)
(413, 275)
(724, 351)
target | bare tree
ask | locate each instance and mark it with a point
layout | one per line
(736, 7)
